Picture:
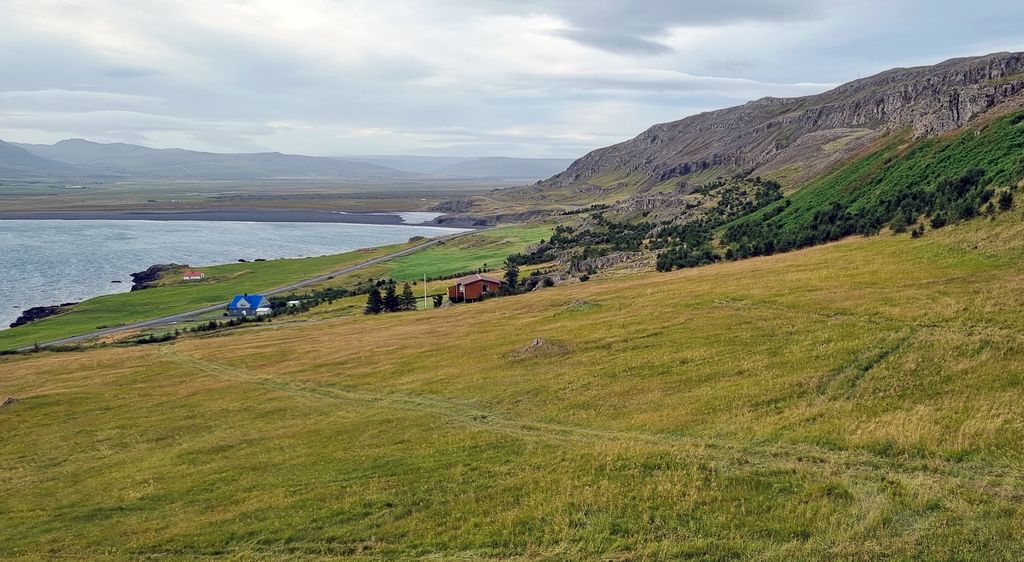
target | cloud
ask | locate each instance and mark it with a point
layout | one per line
(480, 77)
(635, 26)
(57, 100)
(655, 80)
(614, 42)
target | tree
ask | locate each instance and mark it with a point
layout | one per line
(901, 221)
(438, 301)
(408, 300)
(374, 302)
(511, 275)
(391, 301)
(1005, 201)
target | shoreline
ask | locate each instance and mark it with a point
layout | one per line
(247, 216)
(229, 215)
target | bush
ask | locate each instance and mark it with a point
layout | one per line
(1005, 201)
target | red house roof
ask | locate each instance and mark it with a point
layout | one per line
(476, 277)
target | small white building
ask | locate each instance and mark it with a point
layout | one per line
(193, 276)
(292, 304)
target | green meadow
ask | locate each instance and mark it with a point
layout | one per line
(473, 251)
(856, 400)
(485, 249)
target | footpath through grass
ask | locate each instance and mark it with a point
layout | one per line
(857, 400)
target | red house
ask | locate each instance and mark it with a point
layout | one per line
(473, 288)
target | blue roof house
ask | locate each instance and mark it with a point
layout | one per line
(249, 305)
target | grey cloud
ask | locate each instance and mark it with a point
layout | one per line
(431, 83)
(671, 81)
(57, 100)
(634, 26)
(615, 42)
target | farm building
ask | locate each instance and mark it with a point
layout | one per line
(193, 275)
(249, 305)
(473, 288)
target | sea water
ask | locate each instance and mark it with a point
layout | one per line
(44, 262)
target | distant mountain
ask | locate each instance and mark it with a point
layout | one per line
(419, 164)
(492, 168)
(507, 168)
(139, 162)
(18, 163)
(87, 159)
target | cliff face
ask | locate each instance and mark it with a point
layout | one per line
(811, 132)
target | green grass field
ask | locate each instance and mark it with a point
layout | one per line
(486, 249)
(222, 283)
(858, 400)
(473, 251)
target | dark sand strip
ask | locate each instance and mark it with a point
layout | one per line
(243, 215)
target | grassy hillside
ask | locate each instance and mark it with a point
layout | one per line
(952, 177)
(854, 400)
(484, 249)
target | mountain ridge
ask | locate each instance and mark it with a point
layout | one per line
(749, 138)
(18, 163)
(80, 159)
(134, 161)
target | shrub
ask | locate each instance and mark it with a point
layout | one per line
(1005, 201)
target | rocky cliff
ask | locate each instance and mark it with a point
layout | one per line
(807, 135)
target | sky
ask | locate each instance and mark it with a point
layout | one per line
(525, 78)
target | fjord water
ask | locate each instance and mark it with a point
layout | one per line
(44, 262)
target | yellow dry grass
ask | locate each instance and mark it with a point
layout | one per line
(855, 400)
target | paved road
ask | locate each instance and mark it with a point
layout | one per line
(164, 320)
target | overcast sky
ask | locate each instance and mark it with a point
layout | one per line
(539, 78)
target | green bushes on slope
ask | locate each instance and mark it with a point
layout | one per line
(946, 180)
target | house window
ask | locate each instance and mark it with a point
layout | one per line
(485, 287)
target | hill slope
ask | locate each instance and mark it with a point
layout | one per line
(18, 163)
(672, 166)
(854, 400)
(766, 135)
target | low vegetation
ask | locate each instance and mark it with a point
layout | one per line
(902, 185)
(942, 180)
(853, 400)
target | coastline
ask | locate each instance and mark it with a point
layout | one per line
(229, 215)
(114, 281)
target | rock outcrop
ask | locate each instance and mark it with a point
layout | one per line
(812, 132)
(151, 276)
(39, 312)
